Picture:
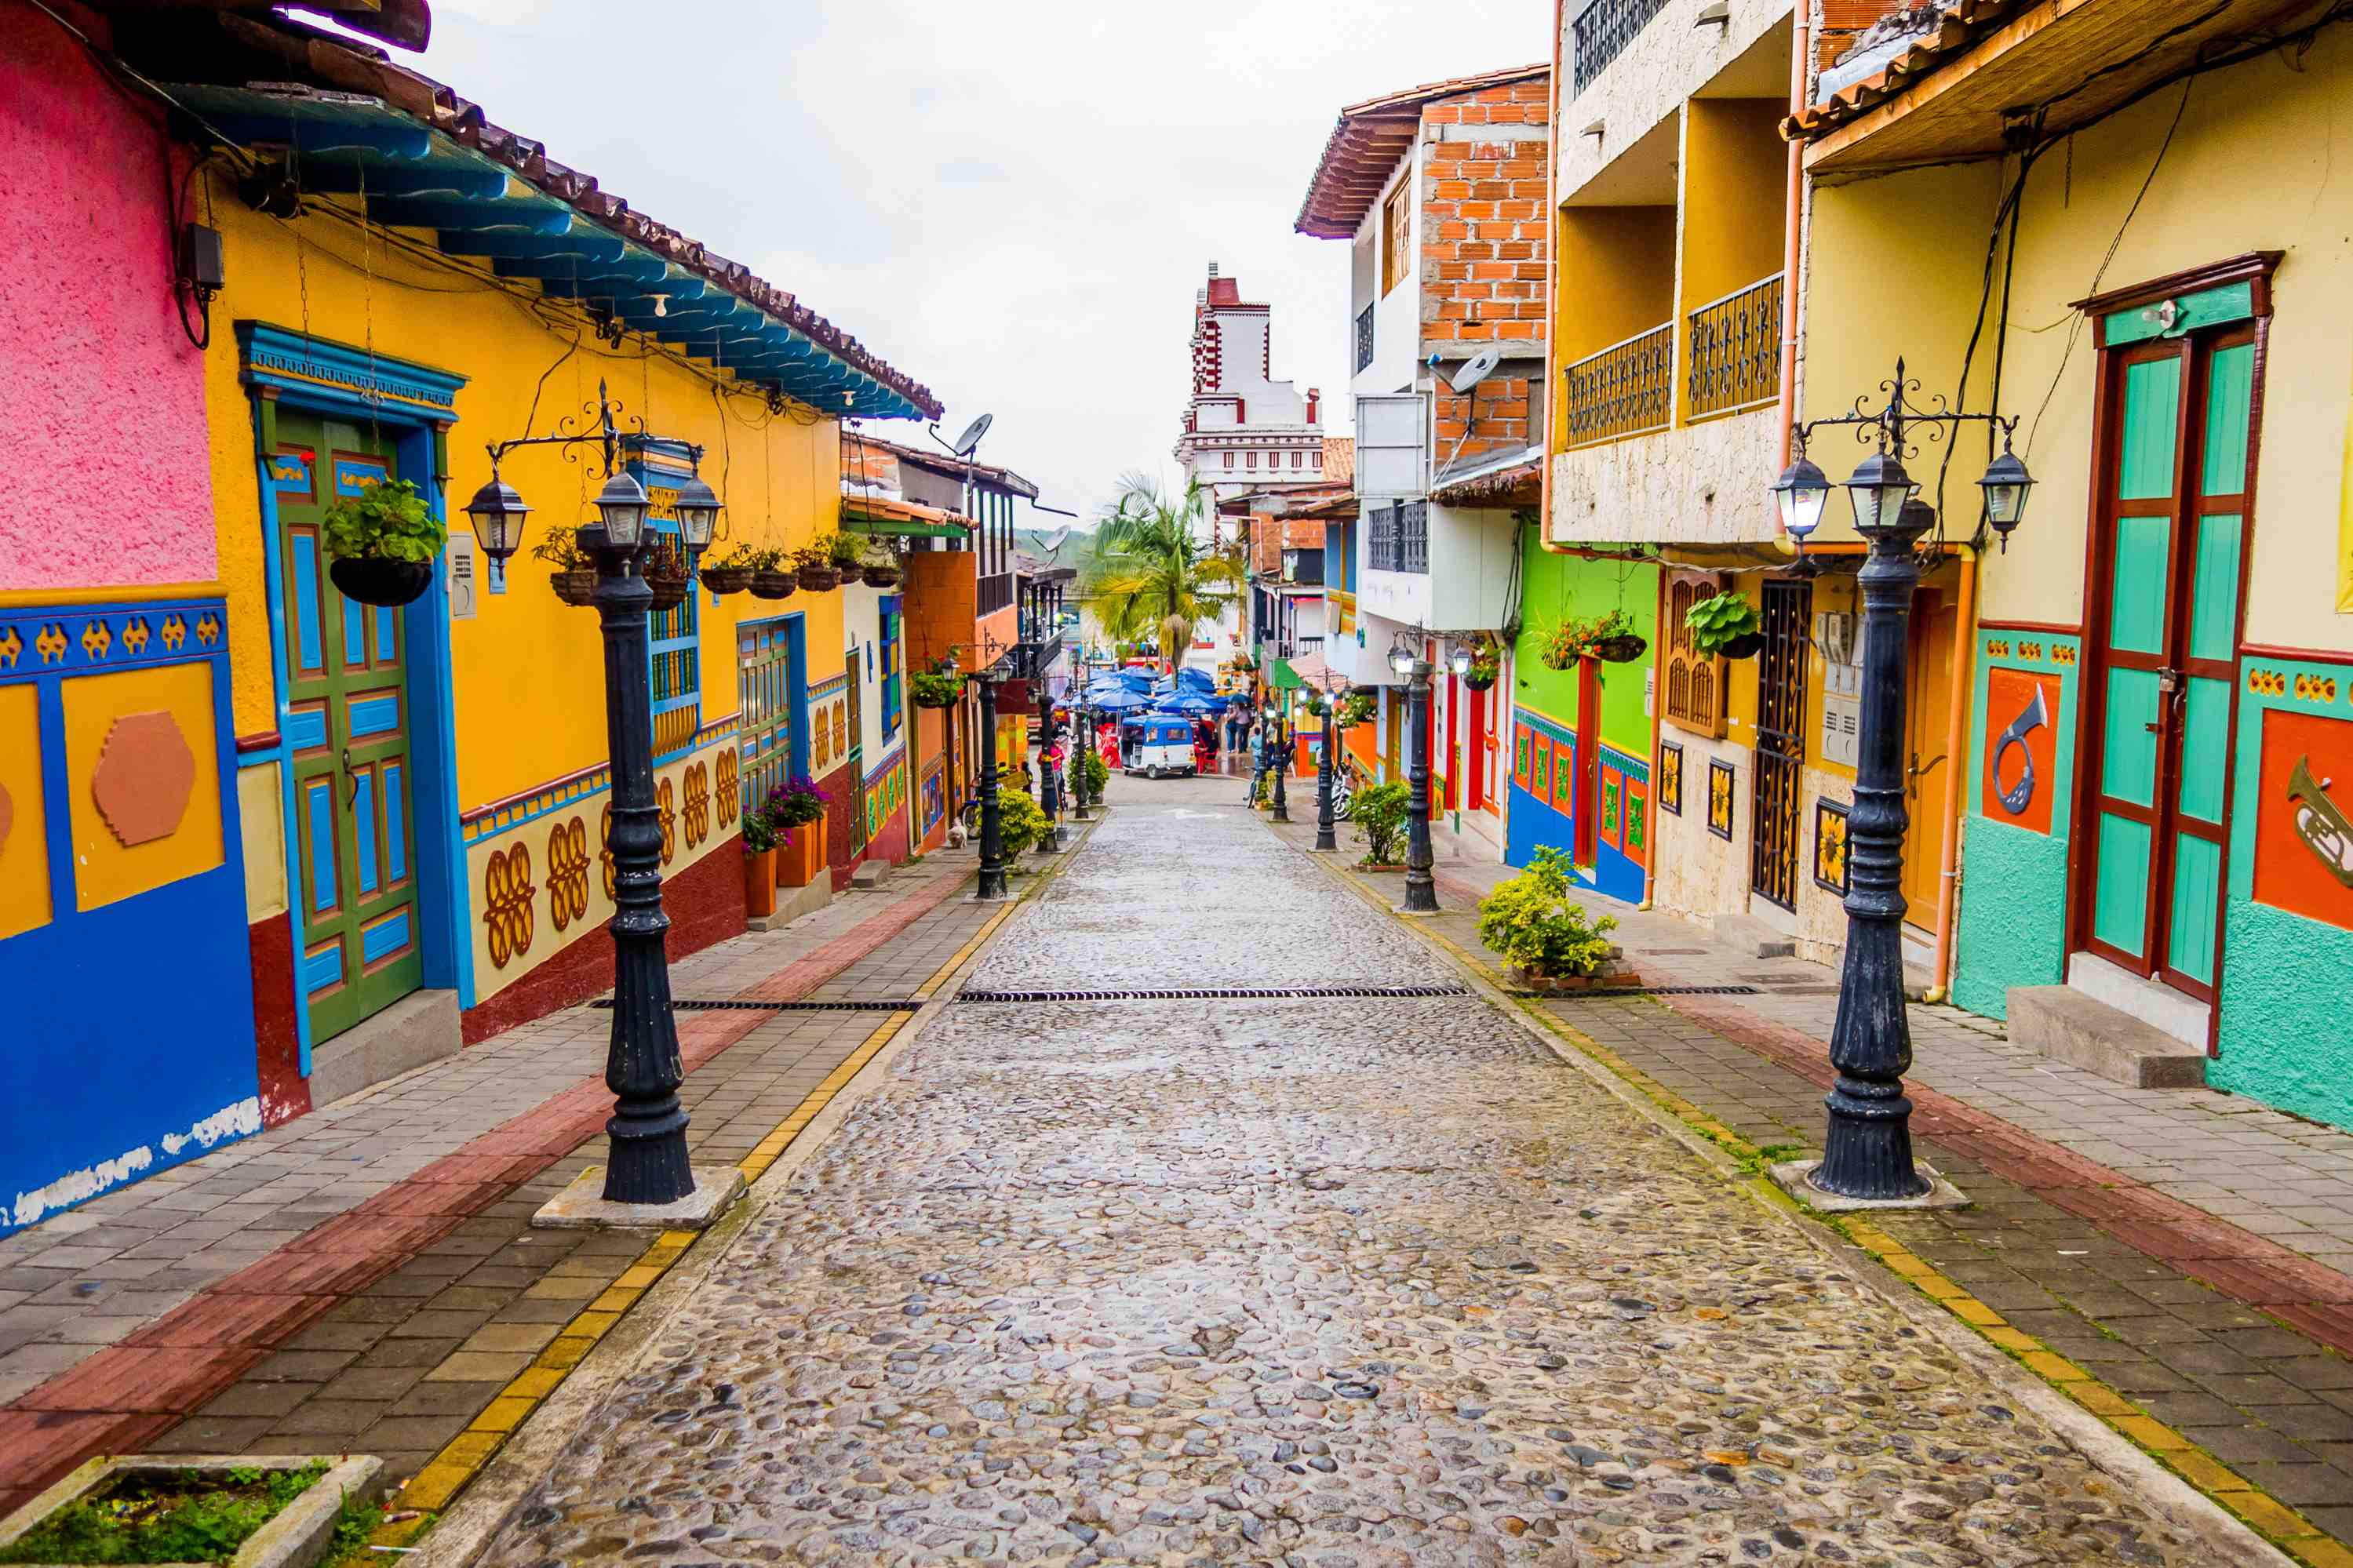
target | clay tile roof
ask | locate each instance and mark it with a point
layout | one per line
(1955, 31)
(1366, 143)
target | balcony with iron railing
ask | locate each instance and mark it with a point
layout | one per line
(1732, 351)
(1627, 389)
(1398, 537)
(1600, 32)
(1365, 338)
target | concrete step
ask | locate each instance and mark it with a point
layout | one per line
(1751, 937)
(422, 1027)
(2068, 1026)
(869, 874)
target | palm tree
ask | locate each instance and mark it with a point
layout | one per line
(1155, 572)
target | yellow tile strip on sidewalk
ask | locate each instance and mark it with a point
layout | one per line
(2268, 1517)
(433, 1488)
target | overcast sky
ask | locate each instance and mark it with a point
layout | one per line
(1012, 202)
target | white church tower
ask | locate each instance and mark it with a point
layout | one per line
(1243, 430)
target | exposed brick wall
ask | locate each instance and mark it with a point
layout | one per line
(1482, 215)
(1270, 536)
(1506, 418)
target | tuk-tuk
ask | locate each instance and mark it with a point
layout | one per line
(1156, 745)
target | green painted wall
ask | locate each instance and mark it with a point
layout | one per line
(2013, 901)
(2284, 1039)
(1557, 587)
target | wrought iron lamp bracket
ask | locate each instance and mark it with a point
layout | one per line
(1892, 425)
(606, 434)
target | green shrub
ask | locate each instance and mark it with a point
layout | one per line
(1378, 815)
(387, 522)
(1096, 771)
(182, 1519)
(1529, 922)
(937, 687)
(1020, 823)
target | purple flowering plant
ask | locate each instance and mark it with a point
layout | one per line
(796, 802)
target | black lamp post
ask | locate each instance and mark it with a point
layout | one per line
(1083, 742)
(1420, 886)
(1867, 1148)
(1278, 735)
(648, 1158)
(1326, 835)
(992, 822)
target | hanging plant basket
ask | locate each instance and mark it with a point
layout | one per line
(577, 586)
(669, 592)
(1479, 682)
(883, 576)
(820, 579)
(726, 580)
(937, 690)
(1621, 649)
(1747, 645)
(379, 580)
(774, 585)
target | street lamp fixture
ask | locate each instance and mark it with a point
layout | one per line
(1461, 658)
(1867, 1147)
(498, 513)
(1401, 661)
(622, 505)
(1802, 492)
(698, 515)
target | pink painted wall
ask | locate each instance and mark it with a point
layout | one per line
(105, 461)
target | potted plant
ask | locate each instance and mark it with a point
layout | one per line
(813, 564)
(1097, 770)
(938, 686)
(730, 573)
(1724, 624)
(794, 804)
(1570, 640)
(664, 564)
(1547, 941)
(1317, 705)
(382, 543)
(769, 578)
(1485, 666)
(1378, 814)
(1615, 641)
(576, 574)
(881, 566)
(1356, 708)
(759, 865)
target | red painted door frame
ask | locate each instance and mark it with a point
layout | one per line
(1588, 759)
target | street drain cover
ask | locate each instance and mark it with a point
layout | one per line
(806, 1005)
(1603, 993)
(1215, 993)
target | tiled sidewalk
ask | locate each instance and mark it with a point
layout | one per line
(2103, 1218)
(365, 1276)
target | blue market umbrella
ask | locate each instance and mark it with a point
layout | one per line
(1117, 701)
(1199, 679)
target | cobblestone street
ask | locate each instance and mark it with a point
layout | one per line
(1323, 1280)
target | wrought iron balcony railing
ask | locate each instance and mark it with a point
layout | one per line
(1621, 391)
(1400, 537)
(993, 593)
(1365, 338)
(1734, 358)
(1603, 29)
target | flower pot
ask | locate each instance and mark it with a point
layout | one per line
(1621, 650)
(1747, 645)
(725, 580)
(820, 579)
(374, 580)
(883, 576)
(774, 585)
(669, 592)
(577, 586)
(1479, 683)
(759, 883)
(802, 861)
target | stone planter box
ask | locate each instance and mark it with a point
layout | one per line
(297, 1538)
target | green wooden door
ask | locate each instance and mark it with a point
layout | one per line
(2165, 637)
(347, 743)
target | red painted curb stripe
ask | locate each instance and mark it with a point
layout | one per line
(121, 1397)
(2249, 1268)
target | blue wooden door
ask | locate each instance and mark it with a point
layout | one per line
(355, 882)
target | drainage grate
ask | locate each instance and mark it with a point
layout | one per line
(739, 1005)
(1603, 993)
(1216, 994)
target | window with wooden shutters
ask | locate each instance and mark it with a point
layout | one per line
(1396, 236)
(1694, 685)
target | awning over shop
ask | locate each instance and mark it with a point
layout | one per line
(1305, 670)
(492, 196)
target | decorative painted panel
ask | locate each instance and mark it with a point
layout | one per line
(2020, 745)
(1671, 777)
(1831, 870)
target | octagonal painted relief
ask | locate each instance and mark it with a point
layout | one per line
(144, 776)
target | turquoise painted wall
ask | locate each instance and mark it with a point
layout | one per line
(2285, 1038)
(1561, 587)
(2013, 899)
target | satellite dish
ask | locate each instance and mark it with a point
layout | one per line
(1053, 544)
(972, 435)
(1475, 369)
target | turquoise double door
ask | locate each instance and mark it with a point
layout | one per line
(2177, 479)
